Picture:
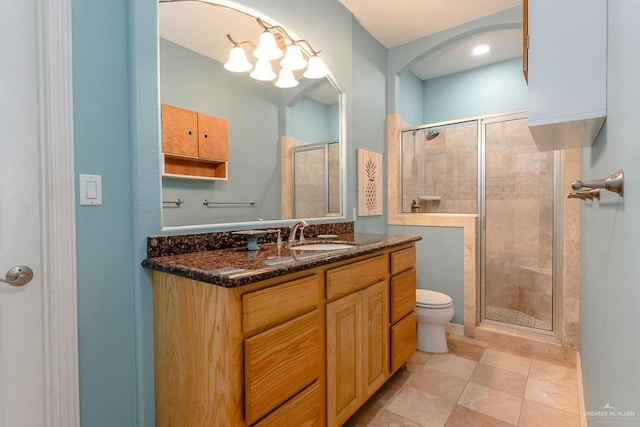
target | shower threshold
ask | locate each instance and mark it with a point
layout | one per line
(515, 317)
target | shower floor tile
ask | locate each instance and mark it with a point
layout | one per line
(515, 317)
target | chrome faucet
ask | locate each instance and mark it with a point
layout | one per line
(300, 224)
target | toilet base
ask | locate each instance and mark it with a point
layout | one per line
(432, 338)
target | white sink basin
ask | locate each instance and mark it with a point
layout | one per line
(321, 247)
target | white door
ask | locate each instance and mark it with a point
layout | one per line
(22, 396)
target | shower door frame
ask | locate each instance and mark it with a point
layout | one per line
(557, 248)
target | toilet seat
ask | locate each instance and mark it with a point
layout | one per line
(432, 299)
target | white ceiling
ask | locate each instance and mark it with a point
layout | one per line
(392, 23)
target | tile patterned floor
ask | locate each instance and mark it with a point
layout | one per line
(474, 386)
(515, 317)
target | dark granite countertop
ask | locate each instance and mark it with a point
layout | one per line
(234, 267)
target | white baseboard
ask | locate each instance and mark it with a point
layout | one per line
(583, 411)
(454, 329)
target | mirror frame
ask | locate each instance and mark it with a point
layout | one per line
(342, 134)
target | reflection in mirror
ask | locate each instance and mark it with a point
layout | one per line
(440, 168)
(316, 192)
(265, 125)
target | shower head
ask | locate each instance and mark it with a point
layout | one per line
(432, 134)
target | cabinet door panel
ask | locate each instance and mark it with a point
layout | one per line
(280, 362)
(179, 131)
(375, 310)
(403, 341)
(304, 410)
(403, 294)
(213, 137)
(344, 355)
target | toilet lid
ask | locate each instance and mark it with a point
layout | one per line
(432, 299)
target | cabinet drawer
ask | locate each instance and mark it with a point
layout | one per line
(270, 306)
(349, 278)
(403, 341)
(403, 294)
(303, 410)
(280, 362)
(403, 260)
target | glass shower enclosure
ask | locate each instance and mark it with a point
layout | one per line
(490, 167)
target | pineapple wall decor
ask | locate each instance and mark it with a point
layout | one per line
(369, 183)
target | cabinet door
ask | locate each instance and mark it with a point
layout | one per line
(375, 318)
(344, 356)
(179, 131)
(213, 135)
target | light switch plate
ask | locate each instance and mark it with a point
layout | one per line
(90, 190)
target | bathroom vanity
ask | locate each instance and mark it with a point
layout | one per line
(280, 336)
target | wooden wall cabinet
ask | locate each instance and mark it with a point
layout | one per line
(566, 67)
(194, 145)
(305, 349)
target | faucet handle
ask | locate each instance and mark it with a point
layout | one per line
(301, 239)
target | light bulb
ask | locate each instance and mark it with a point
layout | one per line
(316, 68)
(481, 49)
(286, 78)
(238, 62)
(263, 71)
(293, 58)
(267, 47)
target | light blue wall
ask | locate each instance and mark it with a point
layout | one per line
(439, 262)
(411, 103)
(496, 88)
(104, 245)
(610, 283)
(369, 115)
(311, 121)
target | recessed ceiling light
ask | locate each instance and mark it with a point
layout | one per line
(481, 49)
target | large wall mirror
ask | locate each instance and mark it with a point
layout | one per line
(283, 156)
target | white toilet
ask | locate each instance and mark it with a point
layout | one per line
(434, 310)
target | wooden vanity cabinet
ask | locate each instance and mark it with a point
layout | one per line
(304, 349)
(194, 145)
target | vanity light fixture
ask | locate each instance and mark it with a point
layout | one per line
(238, 62)
(481, 49)
(275, 43)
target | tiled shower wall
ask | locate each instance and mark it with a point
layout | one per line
(444, 168)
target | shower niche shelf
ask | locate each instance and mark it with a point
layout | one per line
(429, 198)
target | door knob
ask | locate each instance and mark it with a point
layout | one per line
(19, 275)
